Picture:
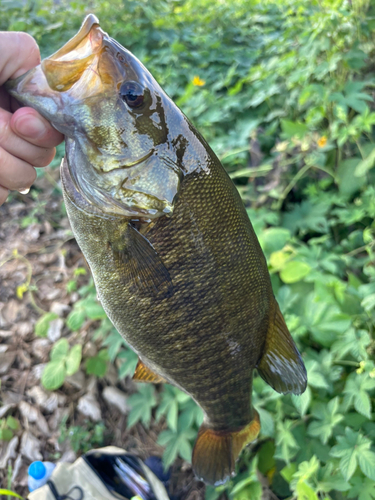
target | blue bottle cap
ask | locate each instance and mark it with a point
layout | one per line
(37, 470)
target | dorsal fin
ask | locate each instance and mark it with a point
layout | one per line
(144, 374)
(281, 365)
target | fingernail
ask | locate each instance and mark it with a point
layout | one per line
(30, 126)
(24, 191)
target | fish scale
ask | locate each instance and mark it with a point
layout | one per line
(175, 260)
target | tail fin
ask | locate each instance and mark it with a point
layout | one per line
(281, 365)
(215, 452)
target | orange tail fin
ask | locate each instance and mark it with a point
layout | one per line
(215, 452)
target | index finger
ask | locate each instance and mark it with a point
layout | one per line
(19, 52)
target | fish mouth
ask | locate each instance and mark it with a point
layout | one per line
(69, 75)
(66, 67)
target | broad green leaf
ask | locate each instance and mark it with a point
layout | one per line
(185, 449)
(254, 491)
(288, 471)
(141, 403)
(97, 365)
(12, 423)
(94, 310)
(76, 319)
(294, 271)
(42, 325)
(54, 375)
(172, 416)
(170, 452)
(73, 359)
(273, 239)
(129, 364)
(365, 165)
(366, 461)
(60, 350)
(348, 183)
(327, 418)
(362, 489)
(305, 492)
(349, 448)
(267, 424)
(348, 464)
(286, 445)
(302, 402)
(6, 434)
(293, 129)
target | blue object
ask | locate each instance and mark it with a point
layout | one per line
(157, 467)
(39, 473)
(37, 470)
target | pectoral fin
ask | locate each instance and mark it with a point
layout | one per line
(144, 374)
(281, 365)
(138, 262)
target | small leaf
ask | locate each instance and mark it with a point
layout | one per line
(293, 129)
(42, 325)
(97, 365)
(366, 461)
(6, 434)
(305, 492)
(12, 423)
(95, 311)
(76, 319)
(294, 271)
(54, 375)
(60, 350)
(302, 402)
(74, 359)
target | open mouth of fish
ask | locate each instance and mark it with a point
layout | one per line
(76, 62)
(77, 89)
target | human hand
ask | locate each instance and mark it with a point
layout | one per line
(27, 140)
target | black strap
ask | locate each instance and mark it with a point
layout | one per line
(68, 496)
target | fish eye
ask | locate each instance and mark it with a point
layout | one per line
(132, 93)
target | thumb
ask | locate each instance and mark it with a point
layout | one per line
(30, 125)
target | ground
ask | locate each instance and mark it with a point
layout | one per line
(38, 258)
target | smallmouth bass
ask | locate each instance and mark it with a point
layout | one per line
(175, 260)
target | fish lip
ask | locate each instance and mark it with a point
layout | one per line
(83, 32)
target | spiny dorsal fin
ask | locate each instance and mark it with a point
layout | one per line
(137, 261)
(281, 365)
(215, 452)
(144, 374)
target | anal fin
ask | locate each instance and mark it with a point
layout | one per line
(144, 374)
(281, 365)
(215, 452)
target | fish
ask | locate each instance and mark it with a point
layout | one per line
(175, 260)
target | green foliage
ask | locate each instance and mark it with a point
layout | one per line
(82, 438)
(97, 365)
(7, 428)
(64, 362)
(283, 92)
(42, 325)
